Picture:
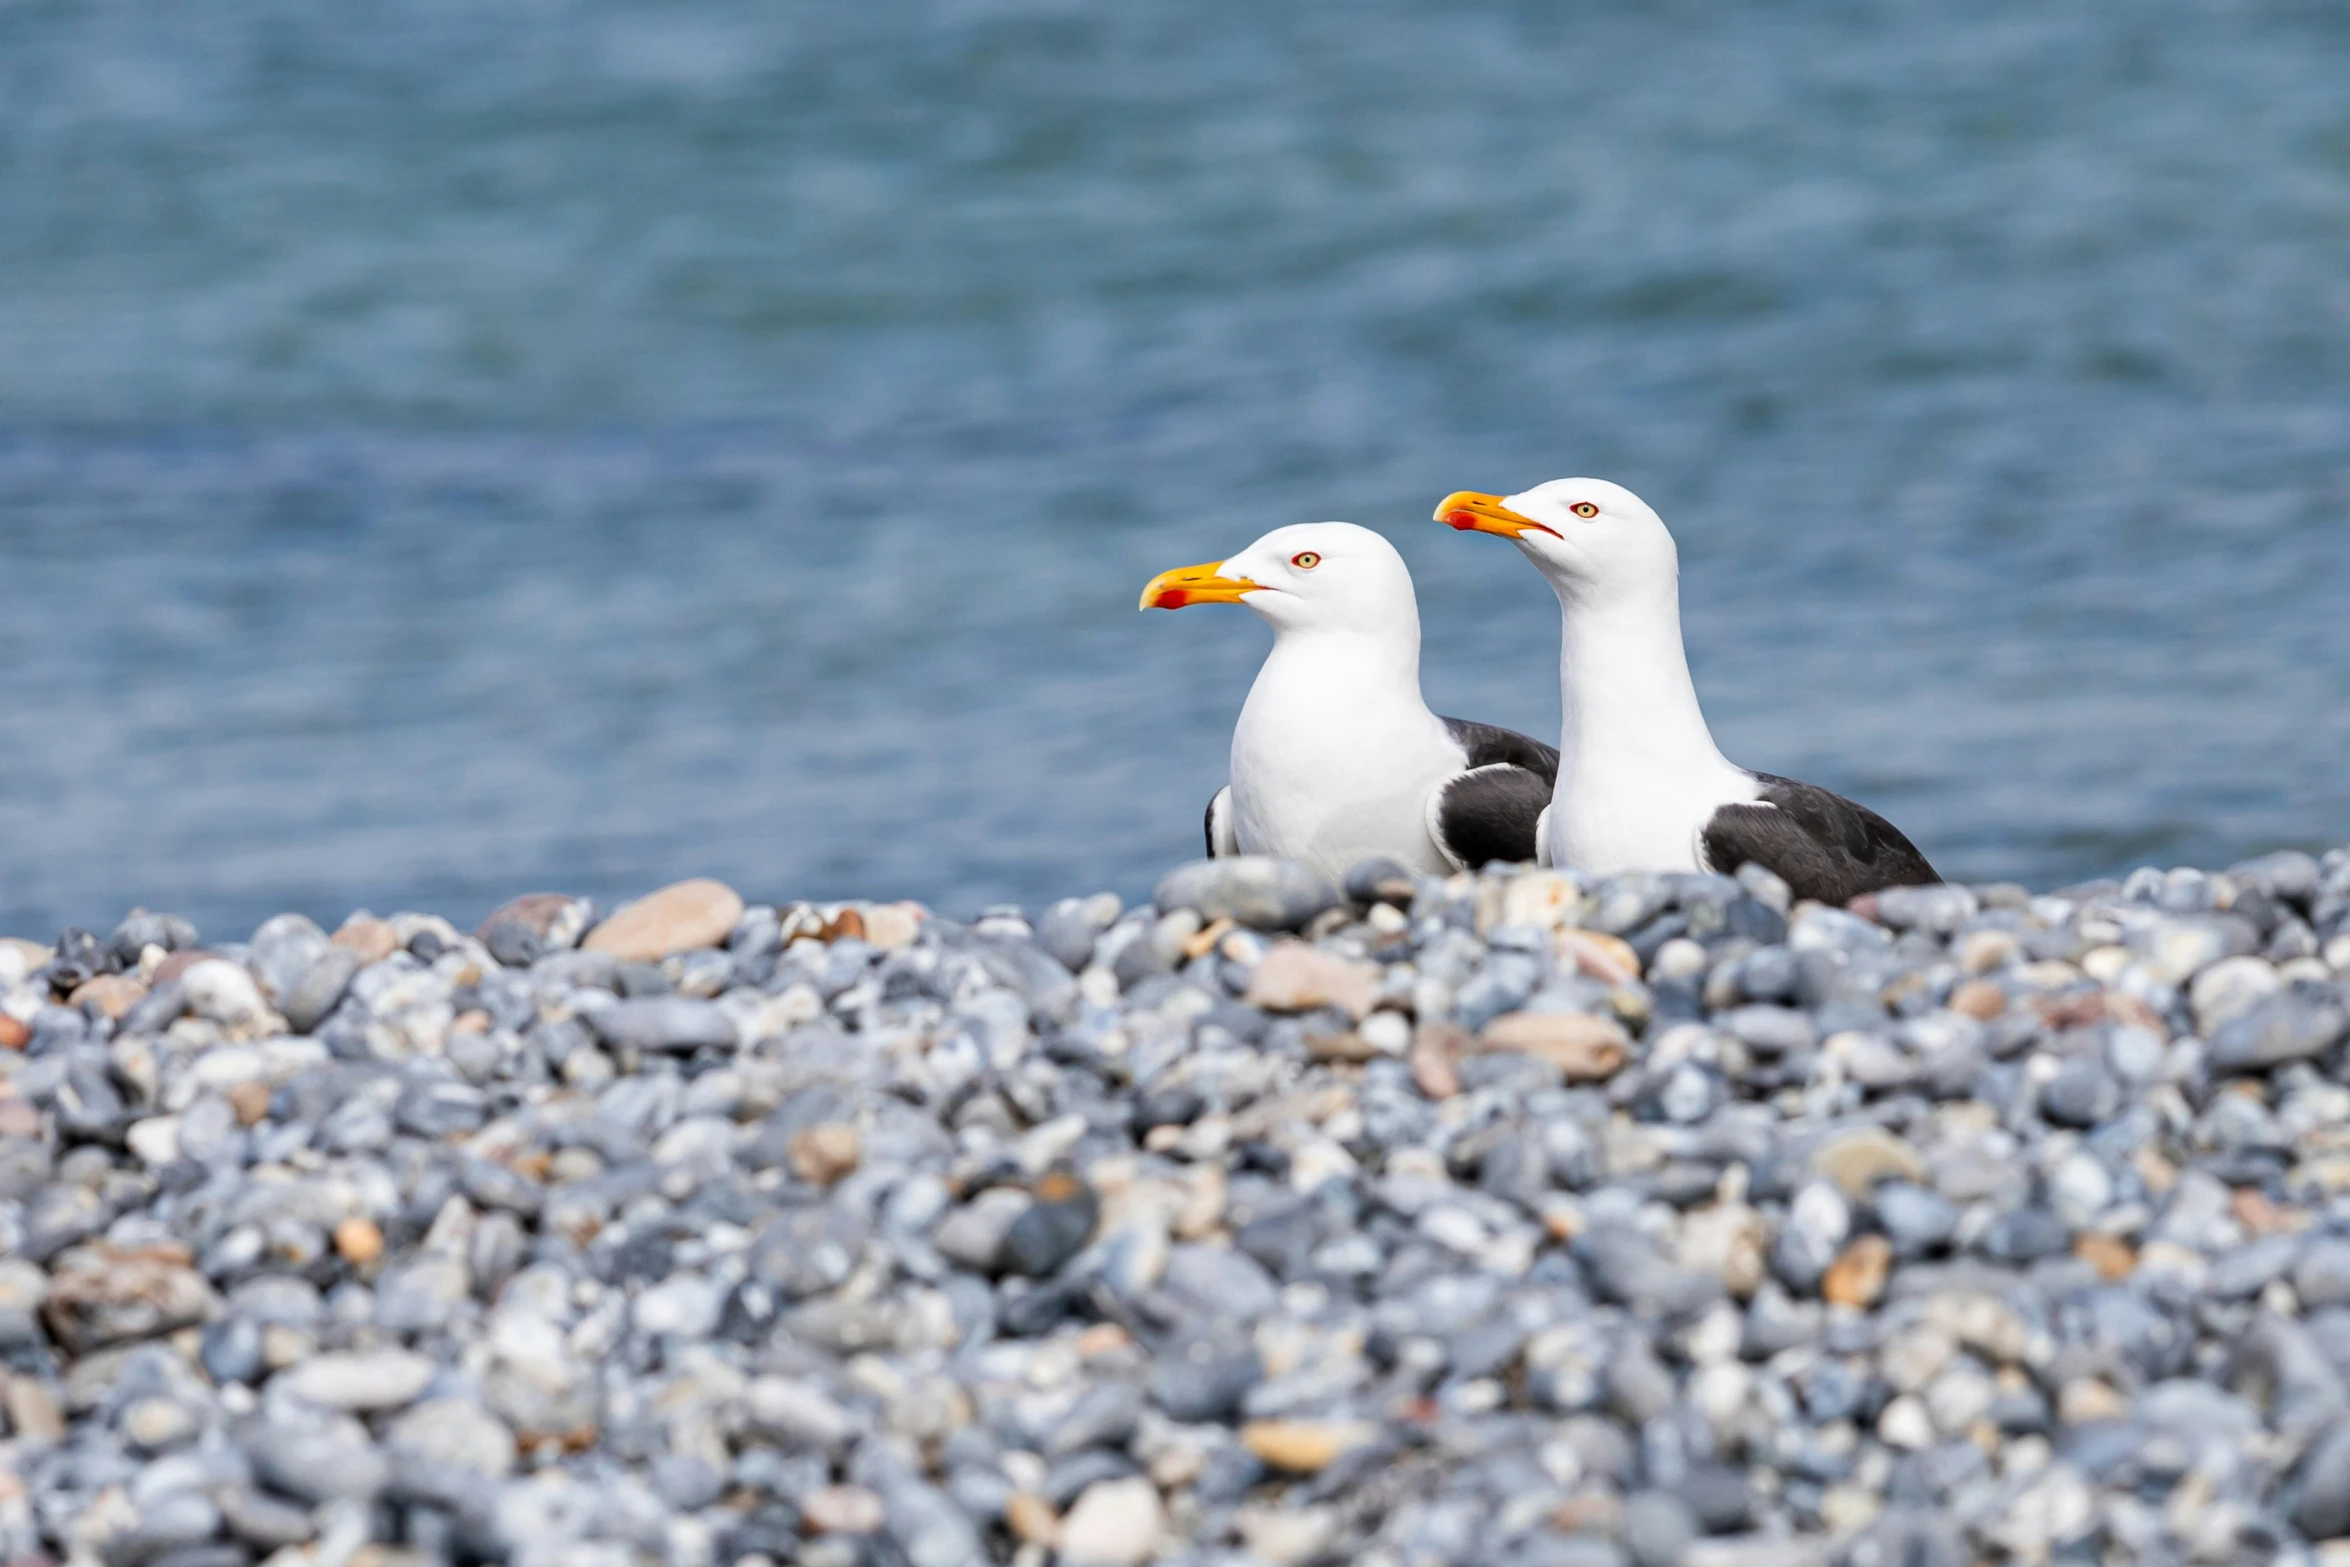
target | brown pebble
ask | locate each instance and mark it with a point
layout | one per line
(178, 963)
(1349, 1047)
(1203, 941)
(250, 1100)
(1435, 1047)
(13, 1034)
(2257, 1213)
(680, 917)
(2110, 1255)
(359, 1241)
(32, 1410)
(1857, 1160)
(1103, 1338)
(822, 1154)
(1303, 1446)
(1293, 977)
(1858, 1277)
(1597, 955)
(110, 994)
(1031, 1519)
(1979, 999)
(1585, 1049)
(372, 939)
(472, 1021)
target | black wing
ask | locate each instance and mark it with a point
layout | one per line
(1489, 813)
(1219, 825)
(1489, 743)
(1822, 845)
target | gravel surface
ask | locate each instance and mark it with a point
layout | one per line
(1501, 1220)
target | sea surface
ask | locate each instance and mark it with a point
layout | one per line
(448, 451)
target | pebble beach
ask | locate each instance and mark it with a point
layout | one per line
(1504, 1220)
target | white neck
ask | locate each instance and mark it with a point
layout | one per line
(1639, 772)
(1336, 750)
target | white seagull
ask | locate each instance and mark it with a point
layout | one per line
(1641, 785)
(1336, 757)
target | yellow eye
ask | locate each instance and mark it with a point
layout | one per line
(1584, 509)
(1305, 560)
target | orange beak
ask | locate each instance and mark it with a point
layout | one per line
(1195, 585)
(1474, 513)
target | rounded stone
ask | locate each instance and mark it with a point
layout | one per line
(1252, 890)
(1114, 1523)
(678, 918)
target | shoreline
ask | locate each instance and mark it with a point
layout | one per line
(1499, 1218)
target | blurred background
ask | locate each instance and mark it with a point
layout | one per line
(448, 451)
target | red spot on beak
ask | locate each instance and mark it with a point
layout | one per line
(1463, 520)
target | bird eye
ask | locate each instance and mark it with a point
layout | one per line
(1584, 509)
(1305, 560)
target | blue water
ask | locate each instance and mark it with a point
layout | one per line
(448, 451)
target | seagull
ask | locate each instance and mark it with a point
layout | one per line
(1641, 785)
(1336, 758)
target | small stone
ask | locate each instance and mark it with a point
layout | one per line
(1979, 999)
(553, 920)
(1031, 1519)
(1585, 1049)
(2053, 1512)
(2286, 1027)
(1659, 1528)
(314, 1455)
(100, 1295)
(2081, 1094)
(1435, 1052)
(1054, 1229)
(2086, 1399)
(1295, 977)
(678, 918)
(455, 1431)
(223, 993)
(360, 1381)
(2110, 1255)
(250, 1100)
(843, 1509)
(370, 939)
(2322, 1278)
(109, 995)
(1304, 1446)
(358, 1242)
(14, 1035)
(1857, 1277)
(667, 1023)
(2229, 989)
(1857, 1160)
(823, 1153)
(319, 989)
(1114, 1523)
(1254, 890)
(1286, 1536)
(32, 1409)
(973, 1235)
(2323, 1513)
(1597, 955)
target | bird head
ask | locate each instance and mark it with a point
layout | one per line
(1586, 535)
(1309, 576)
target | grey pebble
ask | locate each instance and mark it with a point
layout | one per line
(1265, 894)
